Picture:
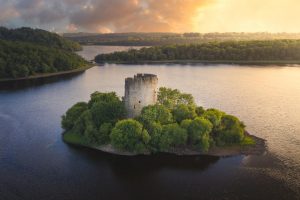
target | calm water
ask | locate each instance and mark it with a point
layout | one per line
(89, 52)
(36, 164)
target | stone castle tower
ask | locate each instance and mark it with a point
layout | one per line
(140, 91)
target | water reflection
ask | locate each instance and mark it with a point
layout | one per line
(134, 164)
(36, 82)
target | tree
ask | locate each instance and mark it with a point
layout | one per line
(172, 135)
(69, 119)
(129, 135)
(21, 59)
(199, 111)
(104, 133)
(84, 126)
(264, 50)
(214, 116)
(232, 130)
(106, 108)
(103, 97)
(156, 113)
(155, 131)
(171, 98)
(198, 132)
(183, 111)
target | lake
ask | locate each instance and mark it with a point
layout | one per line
(36, 164)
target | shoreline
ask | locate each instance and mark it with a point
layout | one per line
(82, 69)
(232, 62)
(227, 151)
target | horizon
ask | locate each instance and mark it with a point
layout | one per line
(150, 16)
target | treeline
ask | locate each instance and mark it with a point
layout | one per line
(269, 50)
(26, 52)
(175, 122)
(157, 39)
(22, 59)
(38, 36)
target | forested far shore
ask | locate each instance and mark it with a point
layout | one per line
(38, 36)
(27, 52)
(23, 59)
(233, 51)
(158, 39)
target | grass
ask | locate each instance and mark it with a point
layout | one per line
(74, 138)
(248, 141)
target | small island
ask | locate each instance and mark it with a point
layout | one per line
(147, 121)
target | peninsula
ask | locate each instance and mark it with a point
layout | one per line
(225, 52)
(148, 121)
(27, 53)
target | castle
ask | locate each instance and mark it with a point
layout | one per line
(140, 91)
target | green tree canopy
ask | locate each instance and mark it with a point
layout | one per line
(214, 116)
(103, 97)
(173, 97)
(104, 133)
(129, 135)
(38, 36)
(199, 131)
(232, 130)
(230, 51)
(156, 113)
(183, 111)
(69, 119)
(172, 135)
(106, 108)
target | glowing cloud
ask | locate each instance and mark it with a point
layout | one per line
(153, 15)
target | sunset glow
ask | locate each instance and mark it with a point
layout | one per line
(153, 15)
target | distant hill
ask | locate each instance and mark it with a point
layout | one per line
(28, 52)
(38, 36)
(157, 39)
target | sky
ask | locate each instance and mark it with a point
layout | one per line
(105, 16)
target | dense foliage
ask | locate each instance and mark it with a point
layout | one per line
(95, 120)
(22, 59)
(38, 36)
(25, 52)
(270, 50)
(174, 122)
(156, 39)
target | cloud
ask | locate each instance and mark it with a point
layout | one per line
(138, 15)
(250, 16)
(102, 15)
(152, 15)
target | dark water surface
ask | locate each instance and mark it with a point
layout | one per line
(36, 164)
